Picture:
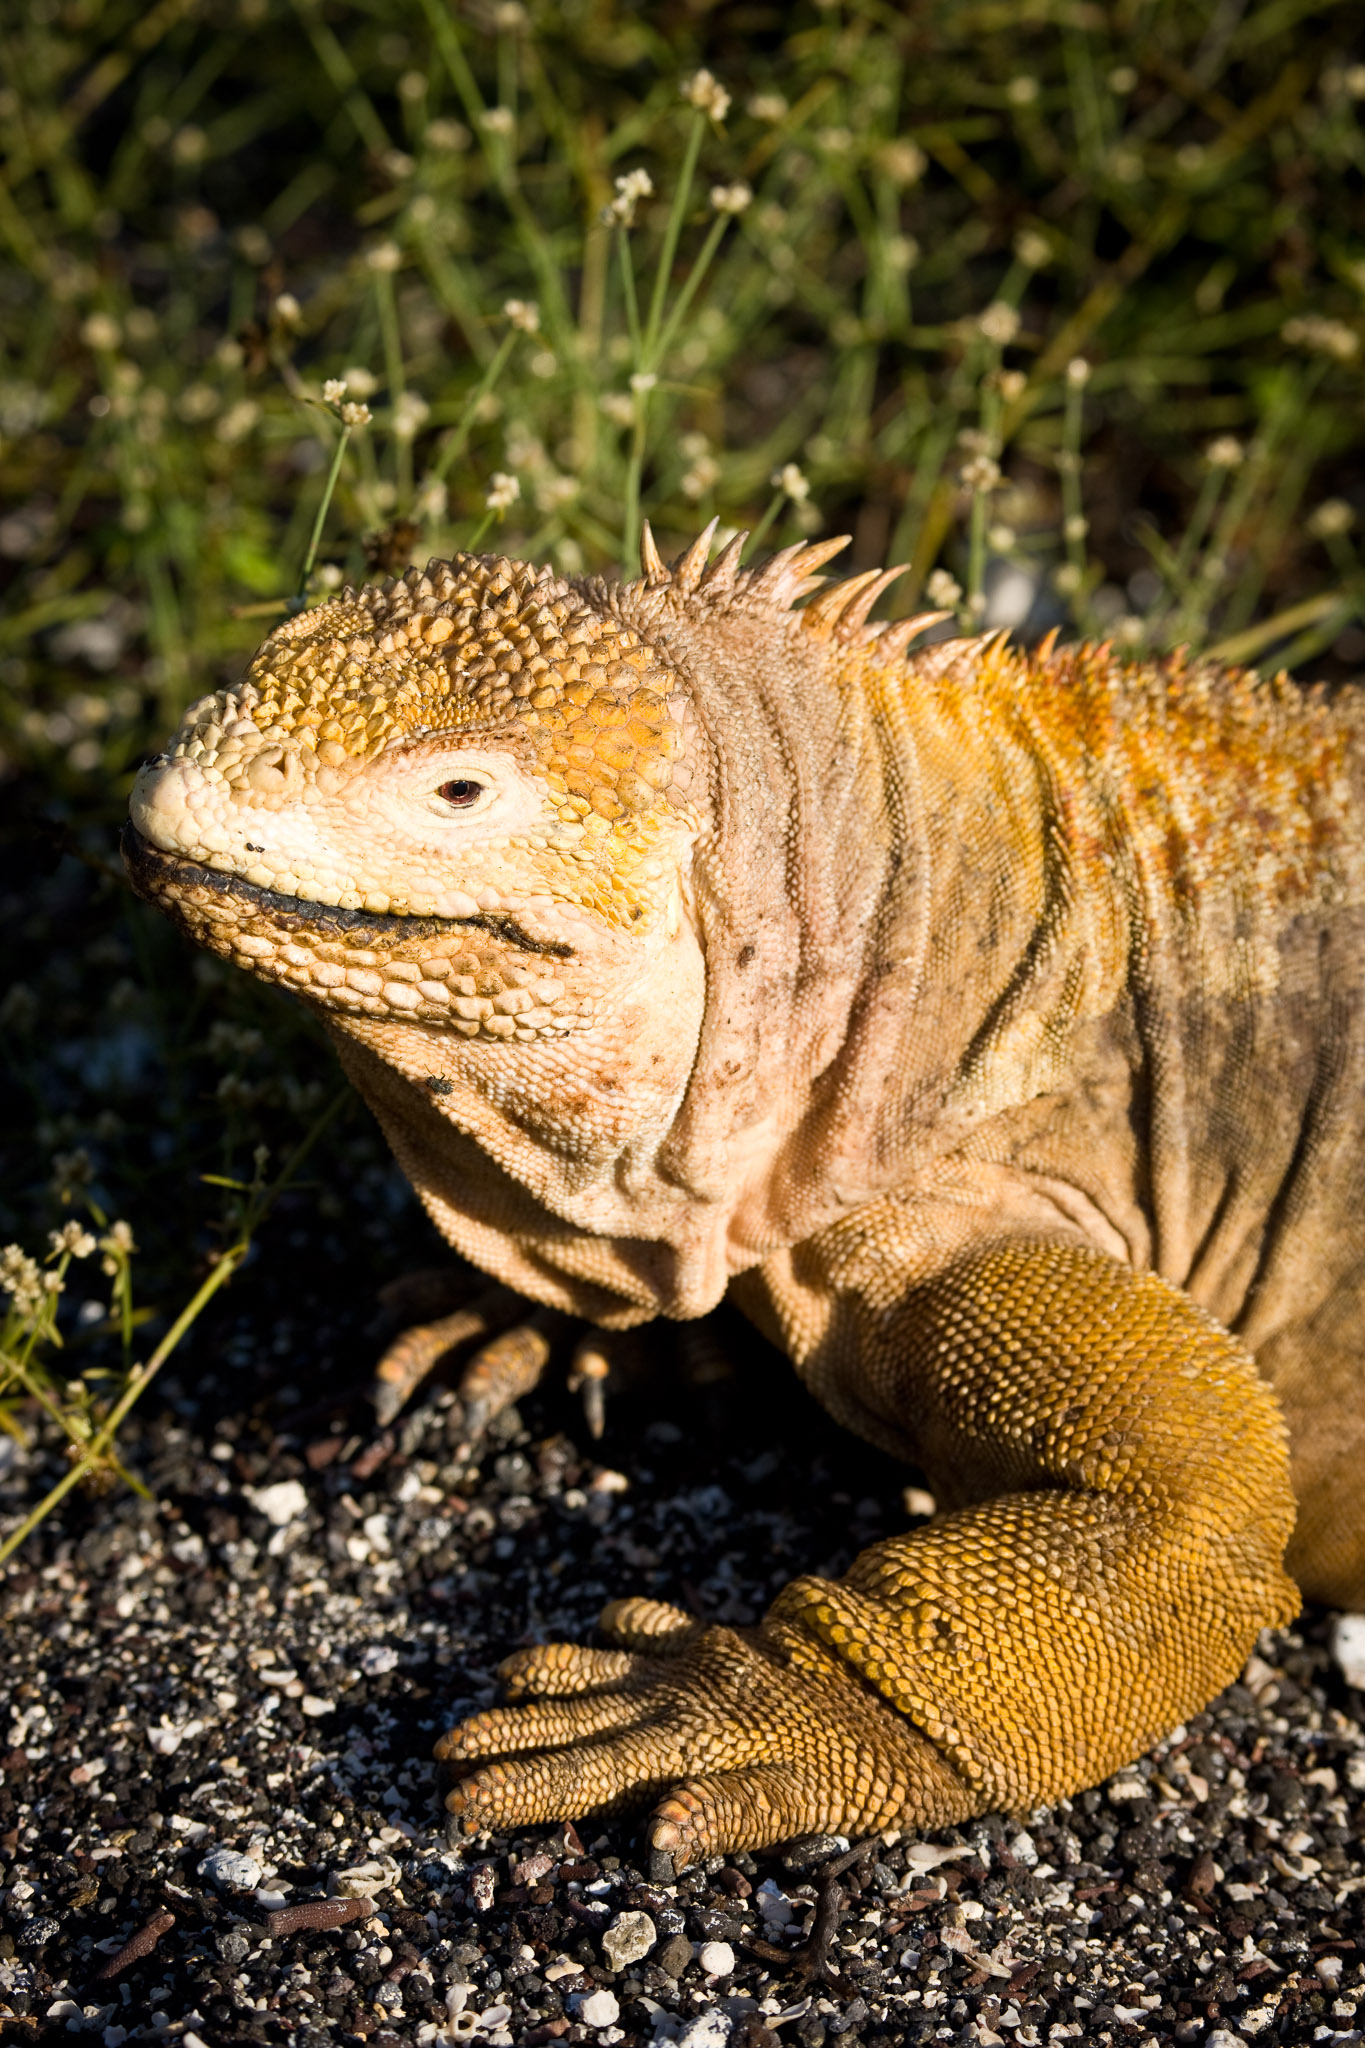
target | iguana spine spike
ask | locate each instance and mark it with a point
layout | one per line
(854, 618)
(790, 573)
(688, 568)
(651, 561)
(826, 611)
(723, 571)
(901, 632)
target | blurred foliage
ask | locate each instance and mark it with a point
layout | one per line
(1061, 304)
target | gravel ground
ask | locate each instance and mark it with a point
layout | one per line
(221, 1704)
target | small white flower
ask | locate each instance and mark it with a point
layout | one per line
(618, 406)
(432, 499)
(1022, 91)
(500, 121)
(1076, 527)
(384, 258)
(1326, 337)
(903, 161)
(73, 1238)
(731, 198)
(1226, 452)
(793, 481)
(355, 413)
(767, 106)
(943, 590)
(287, 310)
(700, 477)
(1353, 78)
(1332, 517)
(238, 421)
(360, 383)
(328, 576)
(408, 414)
(1067, 579)
(1078, 372)
(523, 314)
(1000, 539)
(704, 92)
(1122, 78)
(631, 188)
(334, 390)
(446, 135)
(1011, 384)
(835, 140)
(999, 323)
(101, 331)
(901, 252)
(503, 491)
(643, 380)
(1033, 249)
(982, 473)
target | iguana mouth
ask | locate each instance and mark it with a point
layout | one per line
(156, 874)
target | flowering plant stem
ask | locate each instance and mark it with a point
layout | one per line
(99, 1448)
(316, 539)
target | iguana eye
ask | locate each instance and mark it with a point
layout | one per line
(461, 793)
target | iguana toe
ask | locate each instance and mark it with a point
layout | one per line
(734, 1743)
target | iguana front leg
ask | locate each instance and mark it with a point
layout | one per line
(1124, 1503)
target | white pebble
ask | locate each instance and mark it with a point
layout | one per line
(231, 1871)
(281, 1503)
(717, 1958)
(599, 2009)
(1348, 1647)
(630, 1936)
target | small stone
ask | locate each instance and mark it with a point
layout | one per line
(1348, 1647)
(281, 1504)
(675, 1955)
(231, 1871)
(717, 1958)
(377, 1658)
(599, 2009)
(708, 2030)
(630, 1937)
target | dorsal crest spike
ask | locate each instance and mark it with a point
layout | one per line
(791, 573)
(854, 616)
(825, 612)
(688, 567)
(721, 575)
(651, 561)
(901, 632)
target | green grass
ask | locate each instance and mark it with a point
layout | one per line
(1055, 303)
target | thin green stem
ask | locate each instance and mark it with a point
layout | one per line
(677, 213)
(759, 533)
(315, 539)
(694, 278)
(459, 434)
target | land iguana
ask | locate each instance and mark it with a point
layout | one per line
(987, 1023)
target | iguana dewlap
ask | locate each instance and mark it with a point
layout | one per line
(989, 1023)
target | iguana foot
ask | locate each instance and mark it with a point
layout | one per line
(505, 1367)
(732, 1740)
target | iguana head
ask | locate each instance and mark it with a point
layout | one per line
(465, 797)
(466, 814)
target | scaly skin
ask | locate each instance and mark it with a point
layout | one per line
(988, 1023)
